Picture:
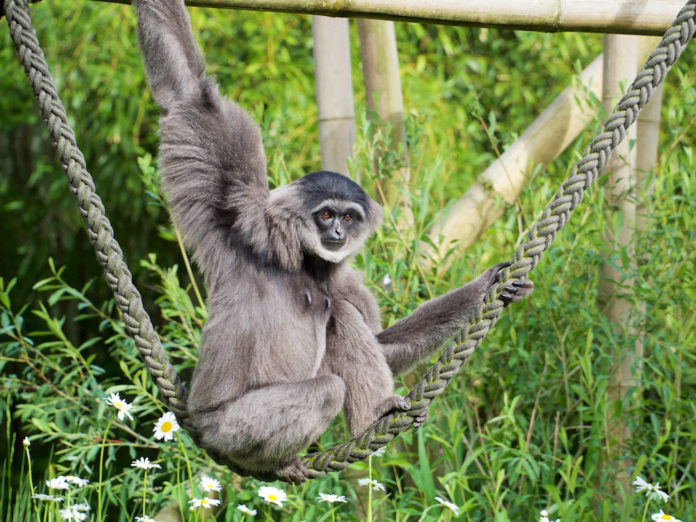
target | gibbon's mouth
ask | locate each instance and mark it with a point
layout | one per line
(333, 244)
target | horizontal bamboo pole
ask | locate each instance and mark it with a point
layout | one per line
(599, 16)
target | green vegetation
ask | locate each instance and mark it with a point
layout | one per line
(525, 425)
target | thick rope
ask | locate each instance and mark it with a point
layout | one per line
(541, 236)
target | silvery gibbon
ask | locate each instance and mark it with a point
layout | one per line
(293, 334)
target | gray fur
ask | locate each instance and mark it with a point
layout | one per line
(293, 335)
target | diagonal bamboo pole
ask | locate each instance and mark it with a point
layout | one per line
(602, 16)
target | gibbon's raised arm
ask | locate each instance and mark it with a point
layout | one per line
(173, 61)
(211, 153)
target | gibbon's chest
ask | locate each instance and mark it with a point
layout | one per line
(302, 306)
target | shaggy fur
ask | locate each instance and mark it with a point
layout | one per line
(293, 335)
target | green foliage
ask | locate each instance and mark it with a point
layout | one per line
(525, 427)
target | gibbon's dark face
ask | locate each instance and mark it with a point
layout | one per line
(341, 211)
(335, 221)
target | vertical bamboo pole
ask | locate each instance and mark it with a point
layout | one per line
(620, 62)
(334, 91)
(647, 134)
(383, 92)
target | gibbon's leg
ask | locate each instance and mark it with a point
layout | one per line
(353, 353)
(264, 429)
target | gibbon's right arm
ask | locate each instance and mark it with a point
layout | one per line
(211, 153)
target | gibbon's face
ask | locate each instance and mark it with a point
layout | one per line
(342, 213)
(336, 222)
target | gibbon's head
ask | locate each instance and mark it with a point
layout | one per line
(339, 212)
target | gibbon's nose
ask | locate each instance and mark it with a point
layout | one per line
(338, 234)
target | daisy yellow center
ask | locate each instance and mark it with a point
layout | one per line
(166, 426)
(272, 497)
(119, 405)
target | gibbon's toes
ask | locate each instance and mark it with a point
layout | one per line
(395, 403)
(516, 291)
(294, 472)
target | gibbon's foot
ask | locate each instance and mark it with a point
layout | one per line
(395, 403)
(295, 471)
(516, 291)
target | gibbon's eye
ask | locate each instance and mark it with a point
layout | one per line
(347, 218)
(326, 215)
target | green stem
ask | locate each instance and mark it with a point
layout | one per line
(369, 490)
(645, 511)
(178, 489)
(144, 491)
(101, 467)
(183, 452)
(31, 483)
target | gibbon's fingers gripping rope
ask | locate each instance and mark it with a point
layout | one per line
(527, 256)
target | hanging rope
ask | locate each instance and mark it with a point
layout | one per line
(539, 239)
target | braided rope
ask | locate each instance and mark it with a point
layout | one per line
(539, 239)
(527, 256)
(99, 228)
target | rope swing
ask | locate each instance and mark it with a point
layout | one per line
(454, 355)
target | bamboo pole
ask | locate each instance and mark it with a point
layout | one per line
(334, 91)
(650, 17)
(502, 182)
(380, 62)
(620, 64)
(647, 134)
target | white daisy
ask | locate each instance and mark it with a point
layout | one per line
(376, 486)
(273, 495)
(210, 484)
(58, 483)
(77, 481)
(448, 504)
(47, 498)
(653, 492)
(246, 510)
(205, 502)
(145, 519)
(26, 442)
(544, 516)
(660, 517)
(326, 497)
(72, 514)
(81, 507)
(122, 406)
(144, 463)
(166, 426)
